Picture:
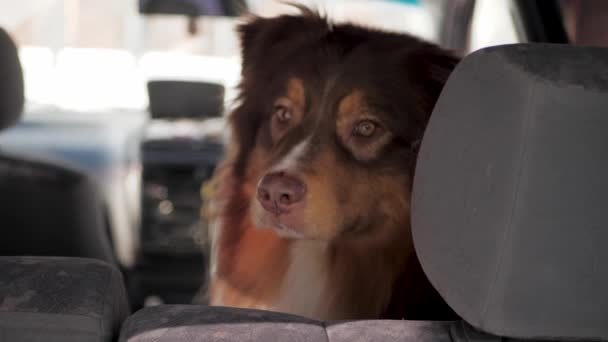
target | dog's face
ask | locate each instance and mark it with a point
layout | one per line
(329, 122)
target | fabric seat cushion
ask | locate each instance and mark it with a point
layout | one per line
(204, 323)
(60, 299)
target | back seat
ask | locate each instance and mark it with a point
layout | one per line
(508, 213)
(203, 323)
(56, 299)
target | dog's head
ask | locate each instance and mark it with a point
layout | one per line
(329, 122)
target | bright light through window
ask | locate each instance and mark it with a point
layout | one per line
(92, 54)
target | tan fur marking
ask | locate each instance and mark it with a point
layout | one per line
(352, 109)
(296, 93)
(293, 100)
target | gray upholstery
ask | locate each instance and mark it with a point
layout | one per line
(390, 331)
(59, 299)
(192, 323)
(511, 189)
(202, 323)
(50, 209)
(11, 82)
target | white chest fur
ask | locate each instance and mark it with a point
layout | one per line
(304, 291)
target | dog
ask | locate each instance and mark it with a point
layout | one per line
(311, 204)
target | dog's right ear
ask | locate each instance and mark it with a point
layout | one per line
(259, 36)
(250, 33)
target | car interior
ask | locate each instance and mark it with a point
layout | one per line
(101, 186)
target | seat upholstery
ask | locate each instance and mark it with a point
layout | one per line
(509, 201)
(203, 323)
(60, 299)
(51, 210)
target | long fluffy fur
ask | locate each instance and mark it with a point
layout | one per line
(371, 274)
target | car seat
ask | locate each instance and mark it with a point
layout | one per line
(46, 207)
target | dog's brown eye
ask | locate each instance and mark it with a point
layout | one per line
(282, 113)
(365, 128)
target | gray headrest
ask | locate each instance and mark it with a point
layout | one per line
(510, 204)
(11, 84)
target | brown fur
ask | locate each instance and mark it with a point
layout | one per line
(356, 258)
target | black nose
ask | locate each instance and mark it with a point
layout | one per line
(278, 192)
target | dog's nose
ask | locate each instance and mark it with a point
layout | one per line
(278, 192)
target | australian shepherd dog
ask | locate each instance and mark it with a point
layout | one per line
(311, 205)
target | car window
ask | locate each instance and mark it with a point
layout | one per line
(493, 23)
(90, 54)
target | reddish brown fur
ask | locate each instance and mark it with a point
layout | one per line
(357, 259)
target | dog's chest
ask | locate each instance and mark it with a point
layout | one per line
(305, 287)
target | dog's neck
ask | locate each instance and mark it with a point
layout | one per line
(305, 283)
(330, 280)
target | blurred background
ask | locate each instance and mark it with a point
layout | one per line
(134, 94)
(61, 41)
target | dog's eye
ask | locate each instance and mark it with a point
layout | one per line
(365, 128)
(282, 114)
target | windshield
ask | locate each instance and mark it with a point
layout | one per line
(91, 54)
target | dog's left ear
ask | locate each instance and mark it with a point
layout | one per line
(433, 66)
